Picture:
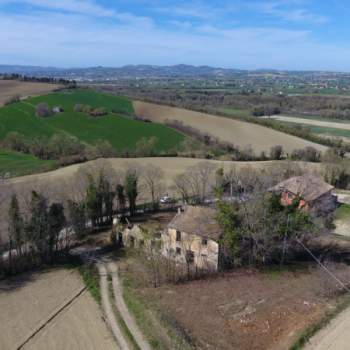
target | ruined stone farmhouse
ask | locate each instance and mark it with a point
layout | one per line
(314, 195)
(192, 237)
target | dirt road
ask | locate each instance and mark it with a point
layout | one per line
(108, 310)
(239, 133)
(336, 336)
(123, 309)
(325, 124)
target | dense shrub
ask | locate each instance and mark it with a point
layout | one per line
(276, 152)
(94, 112)
(308, 154)
(99, 112)
(105, 149)
(43, 110)
(86, 109)
(78, 107)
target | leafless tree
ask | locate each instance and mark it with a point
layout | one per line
(153, 179)
(182, 185)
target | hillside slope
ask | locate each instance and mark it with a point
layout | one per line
(239, 133)
(122, 132)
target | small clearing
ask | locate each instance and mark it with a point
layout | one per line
(239, 133)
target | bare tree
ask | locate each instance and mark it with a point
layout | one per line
(205, 171)
(153, 179)
(182, 185)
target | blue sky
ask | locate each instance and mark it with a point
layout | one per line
(248, 34)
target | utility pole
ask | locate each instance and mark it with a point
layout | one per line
(284, 249)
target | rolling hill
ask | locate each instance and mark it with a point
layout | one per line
(239, 133)
(116, 127)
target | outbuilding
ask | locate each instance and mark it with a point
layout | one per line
(312, 193)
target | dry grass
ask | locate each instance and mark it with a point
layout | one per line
(28, 301)
(237, 132)
(10, 88)
(246, 309)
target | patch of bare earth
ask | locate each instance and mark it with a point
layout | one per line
(229, 130)
(245, 309)
(30, 301)
(10, 88)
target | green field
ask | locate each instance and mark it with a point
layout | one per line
(121, 131)
(16, 164)
(319, 118)
(343, 212)
(320, 130)
(329, 131)
(234, 112)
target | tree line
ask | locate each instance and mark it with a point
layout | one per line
(49, 80)
(68, 149)
(258, 104)
(42, 232)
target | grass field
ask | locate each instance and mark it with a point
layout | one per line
(17, 164)
(319, 118)
(342, 220)
(343, 212)
(318, 125)
(233, 112)
(330, 131)
(229, 130)
(121, 132)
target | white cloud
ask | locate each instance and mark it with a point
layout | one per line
(286, 10)
(86, 7)
(196, 10)
(73, 40)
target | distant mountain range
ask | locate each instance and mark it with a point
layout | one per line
(140, 71)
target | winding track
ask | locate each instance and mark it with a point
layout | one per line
(123, 309)
(108, 310)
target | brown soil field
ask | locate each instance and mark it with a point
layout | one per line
(68, 182)
(236, 132)
(246, 309)
(10, 88)
(28, 301)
